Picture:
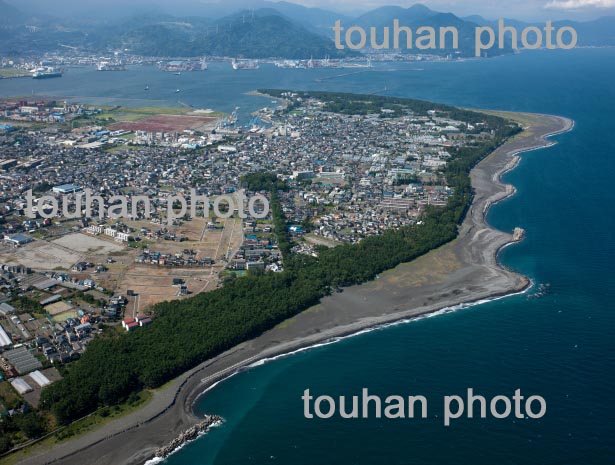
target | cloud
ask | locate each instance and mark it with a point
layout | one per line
(579, 4)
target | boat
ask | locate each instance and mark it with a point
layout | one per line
(46, 73)
(367, 64)
(177, 91)
(290, 64)
(244, 64)
(146, 87)
(110, 66)
(179, 73)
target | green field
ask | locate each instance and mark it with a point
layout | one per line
(136, 113)
(117, 148)
(8, 395)
(524, 119)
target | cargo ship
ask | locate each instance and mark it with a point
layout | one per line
(46, 73)
(109, 66)
(307, 64)
(179, 66)
(244, 64)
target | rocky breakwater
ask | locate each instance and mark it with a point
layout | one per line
(518, 234)
(189, 435)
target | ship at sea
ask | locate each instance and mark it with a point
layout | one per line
(367, 64)
(110, 66)
(46, 73)
(178, 66)
(244, 64)
(308, 64)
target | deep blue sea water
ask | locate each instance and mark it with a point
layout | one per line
(559, 346)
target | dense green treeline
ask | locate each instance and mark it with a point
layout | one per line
(263, 182)
(31, 425)
(280, 225)
(358, 104)
(271, 183)
(185, 333)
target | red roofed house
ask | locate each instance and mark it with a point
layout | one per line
(144, 320)
(130, 324)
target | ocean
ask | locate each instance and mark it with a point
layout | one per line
(559, 345)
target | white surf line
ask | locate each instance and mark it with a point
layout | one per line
(262, 358)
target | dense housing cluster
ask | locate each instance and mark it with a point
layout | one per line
(357, 184)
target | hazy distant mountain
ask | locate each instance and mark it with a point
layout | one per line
(100, 10)
(315, 19)
(244, 34)
(250, 33)
(105, 10)
(250, 28)
(417, 16)
(42, 34)
(9, 15)
(600, 32)
(477, 19)
(385, 15)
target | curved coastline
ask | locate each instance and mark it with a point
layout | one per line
(516, 159)
(463, 273)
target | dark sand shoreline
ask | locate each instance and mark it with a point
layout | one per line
(461, 272)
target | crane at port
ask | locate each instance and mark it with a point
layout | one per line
(233, 118)
(229, 121)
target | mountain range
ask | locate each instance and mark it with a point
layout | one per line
(254, 29)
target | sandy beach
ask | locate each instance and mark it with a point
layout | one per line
(463, 271)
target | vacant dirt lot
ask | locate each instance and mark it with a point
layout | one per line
(165, 123)
(85, 244)
(154, 283)
(41, 256)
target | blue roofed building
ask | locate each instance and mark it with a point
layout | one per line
(67, 189)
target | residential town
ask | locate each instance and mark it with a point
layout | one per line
(67, 279)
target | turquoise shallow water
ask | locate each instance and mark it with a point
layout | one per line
(559, 346)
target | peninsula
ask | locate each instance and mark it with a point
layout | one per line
(445, 274)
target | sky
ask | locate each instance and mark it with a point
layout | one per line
(532, 10)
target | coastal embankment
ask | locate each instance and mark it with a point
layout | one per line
(463, 272)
